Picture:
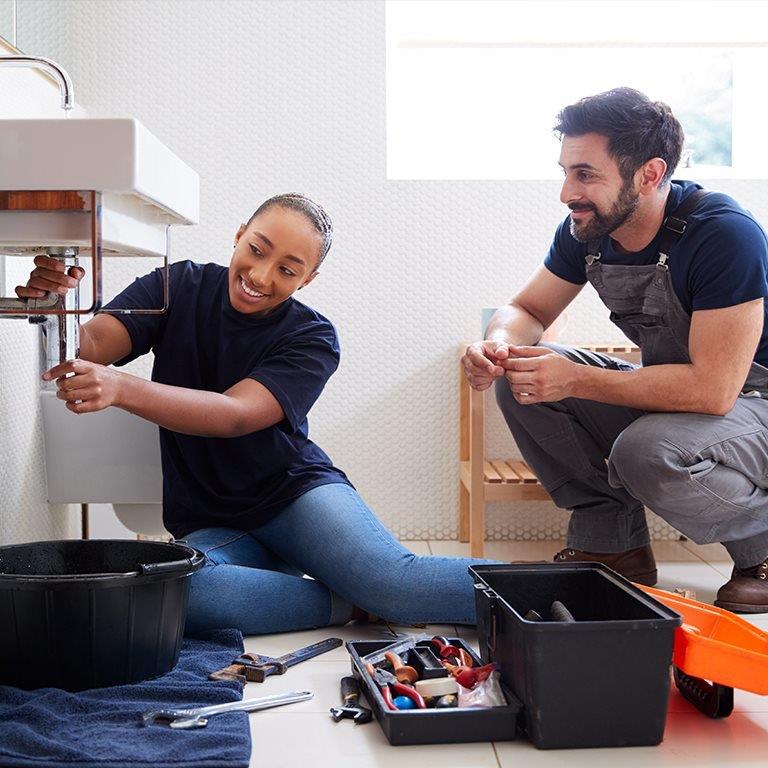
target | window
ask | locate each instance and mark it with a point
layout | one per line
(473, 87)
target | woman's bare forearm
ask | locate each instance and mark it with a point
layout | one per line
(188, 411)
(104, 340)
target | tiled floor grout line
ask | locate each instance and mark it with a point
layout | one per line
(703, 561)
(496, 754)
(693, 551)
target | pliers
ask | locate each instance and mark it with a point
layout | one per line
(384, 680)
(448, 652)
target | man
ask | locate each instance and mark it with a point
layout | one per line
(683, 274)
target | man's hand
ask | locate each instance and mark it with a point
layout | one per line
(482, 363)
(86, 387)
(537, 375)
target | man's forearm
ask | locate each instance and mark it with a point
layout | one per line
(189, 411)
(513, 325)
(671, 388)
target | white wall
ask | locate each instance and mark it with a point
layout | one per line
(24, 513)
(7, 20)
(267, 97)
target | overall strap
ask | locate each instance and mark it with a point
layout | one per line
(593, 252)
(673, 228)
(676, 223)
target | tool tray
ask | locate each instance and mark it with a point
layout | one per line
(435, 726)
(715, 651)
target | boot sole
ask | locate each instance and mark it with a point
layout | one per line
(647, 579)
(741, 607)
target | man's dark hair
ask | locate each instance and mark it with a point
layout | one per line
(637, 128)
(314, 212)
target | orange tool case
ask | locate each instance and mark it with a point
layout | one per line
(715, 651)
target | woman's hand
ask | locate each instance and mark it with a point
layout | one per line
(86, 387)
(49, 276)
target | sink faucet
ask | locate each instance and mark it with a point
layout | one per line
(51, 67)
(59, 332)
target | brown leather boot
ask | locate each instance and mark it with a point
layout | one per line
(747, 591)
(635, 564)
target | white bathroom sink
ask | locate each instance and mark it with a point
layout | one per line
(145, 185)
(104, 154)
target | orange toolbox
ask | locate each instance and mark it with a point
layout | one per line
(715, 651)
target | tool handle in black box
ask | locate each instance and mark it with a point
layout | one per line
(350, 690)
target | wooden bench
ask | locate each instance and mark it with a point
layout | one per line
(483, 479)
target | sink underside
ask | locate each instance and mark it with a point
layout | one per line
(145, 187)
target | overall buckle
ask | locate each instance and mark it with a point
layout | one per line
(678, 226)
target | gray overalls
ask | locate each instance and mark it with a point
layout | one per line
(705, 475)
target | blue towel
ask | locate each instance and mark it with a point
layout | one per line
(50, 728)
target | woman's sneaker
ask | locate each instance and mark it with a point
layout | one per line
(635, 564)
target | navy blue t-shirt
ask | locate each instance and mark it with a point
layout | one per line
(720, 261)
(203, 343)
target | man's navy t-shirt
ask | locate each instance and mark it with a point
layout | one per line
(203, 343)
(720, 261)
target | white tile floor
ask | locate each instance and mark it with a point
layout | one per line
(304, 734)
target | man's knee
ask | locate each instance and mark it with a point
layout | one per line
(504, 397)
(513, 411)
(642, 460)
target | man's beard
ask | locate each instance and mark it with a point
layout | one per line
(602, 224)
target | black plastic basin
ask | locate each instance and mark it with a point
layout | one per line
(88, 614)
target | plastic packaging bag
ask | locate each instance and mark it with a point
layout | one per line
(487, 693)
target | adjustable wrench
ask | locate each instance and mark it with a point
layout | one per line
(253, 668)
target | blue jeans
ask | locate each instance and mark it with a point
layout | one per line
(253, 580)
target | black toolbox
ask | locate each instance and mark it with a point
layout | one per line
(599, 681)
(434, 726)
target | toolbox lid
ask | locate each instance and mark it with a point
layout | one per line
(594, 594)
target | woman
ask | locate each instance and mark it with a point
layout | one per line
(239, 362)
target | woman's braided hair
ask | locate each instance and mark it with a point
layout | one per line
(314, 212)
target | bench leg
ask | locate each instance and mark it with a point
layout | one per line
(476, 525)
(463, 512)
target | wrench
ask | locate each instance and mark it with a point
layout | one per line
(198, 718)
(350, 695)
(258, 669)
(254, 668)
